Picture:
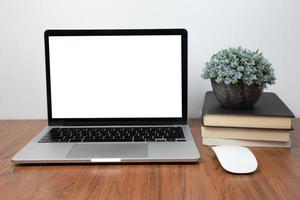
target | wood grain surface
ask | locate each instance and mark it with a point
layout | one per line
(278, 176)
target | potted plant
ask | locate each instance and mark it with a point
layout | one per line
(238, 76)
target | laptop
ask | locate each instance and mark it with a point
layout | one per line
(114, 96)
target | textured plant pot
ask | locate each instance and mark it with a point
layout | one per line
(237, 95)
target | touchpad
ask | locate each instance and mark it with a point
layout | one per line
(108, 151)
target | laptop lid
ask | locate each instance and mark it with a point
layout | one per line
(116, 77)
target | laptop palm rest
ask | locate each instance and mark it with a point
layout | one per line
(108, 151)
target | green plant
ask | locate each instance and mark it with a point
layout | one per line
(238, 64)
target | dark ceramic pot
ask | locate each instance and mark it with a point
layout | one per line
(237, 95)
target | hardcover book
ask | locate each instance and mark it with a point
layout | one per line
(250, 143)
(269, 112)
(246, 134)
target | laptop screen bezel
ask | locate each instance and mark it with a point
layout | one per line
(118, 121)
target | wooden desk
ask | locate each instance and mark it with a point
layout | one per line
(278, 176)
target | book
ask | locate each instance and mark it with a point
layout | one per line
(250, 143)
(269, 113)
(246, 134)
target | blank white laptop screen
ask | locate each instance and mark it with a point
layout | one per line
(116, 76)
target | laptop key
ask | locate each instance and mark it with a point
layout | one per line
(160, 140)
(65, 140)
(150, 140)
(180, 140)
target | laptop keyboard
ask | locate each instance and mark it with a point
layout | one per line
(126, 134)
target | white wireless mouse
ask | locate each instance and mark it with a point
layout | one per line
(236, 159)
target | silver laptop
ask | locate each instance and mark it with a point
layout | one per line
(114, 96)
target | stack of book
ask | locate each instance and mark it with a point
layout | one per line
(267, 124)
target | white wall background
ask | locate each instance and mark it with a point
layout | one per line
(273, 26)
